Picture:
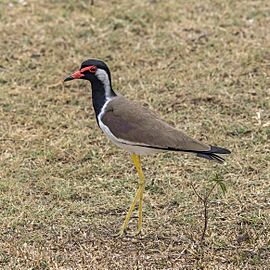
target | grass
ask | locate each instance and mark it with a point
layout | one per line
(64, 190)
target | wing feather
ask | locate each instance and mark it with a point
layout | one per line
(137, 125)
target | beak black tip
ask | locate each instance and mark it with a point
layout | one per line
(70, 78)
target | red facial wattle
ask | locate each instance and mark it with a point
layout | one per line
(80, 73)
(77, 75)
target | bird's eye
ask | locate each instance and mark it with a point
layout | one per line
(93, 69)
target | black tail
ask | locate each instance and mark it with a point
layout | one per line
(212, 154)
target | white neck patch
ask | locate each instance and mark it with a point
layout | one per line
(104, 78)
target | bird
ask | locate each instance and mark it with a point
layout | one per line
(136, 129)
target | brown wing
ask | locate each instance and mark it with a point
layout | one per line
(135, 124)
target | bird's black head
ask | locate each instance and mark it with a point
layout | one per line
(91, 70)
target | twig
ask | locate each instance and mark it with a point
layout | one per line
(198, 195)
(204, 200)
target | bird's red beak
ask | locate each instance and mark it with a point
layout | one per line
(75, 75)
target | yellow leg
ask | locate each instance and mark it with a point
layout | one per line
(138, 197)
(129, 213)
(137, 163)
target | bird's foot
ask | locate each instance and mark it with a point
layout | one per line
(121, 233)
(138, 232)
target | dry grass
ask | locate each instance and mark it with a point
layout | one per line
(64, 189)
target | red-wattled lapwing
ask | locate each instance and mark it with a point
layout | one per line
(135, 128)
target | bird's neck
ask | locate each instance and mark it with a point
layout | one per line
(101, 93)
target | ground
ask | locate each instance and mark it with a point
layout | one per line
(64, 189)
